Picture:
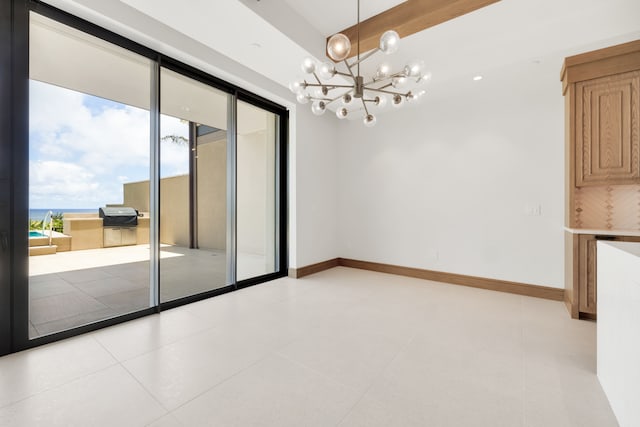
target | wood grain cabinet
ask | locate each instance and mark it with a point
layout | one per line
(582, 290)
(602, 169)
(587, 274)
(607, 136)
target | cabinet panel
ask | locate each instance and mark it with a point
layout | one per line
(582, 284)
(588, 273)
(128, 236)
(119, 236)
(608, 130)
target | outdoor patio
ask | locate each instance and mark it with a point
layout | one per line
(71, 289)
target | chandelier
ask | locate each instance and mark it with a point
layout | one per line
(354, 92)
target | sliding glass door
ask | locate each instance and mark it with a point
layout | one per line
(256, 191)
(194, 195)
(89, 154)
(150, 184)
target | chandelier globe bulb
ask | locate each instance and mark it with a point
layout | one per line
(389, 42)
(369, 120)
(318, 108)
(339, 47)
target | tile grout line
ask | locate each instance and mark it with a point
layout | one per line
(221, 382)
(62, 384)
(382, 371)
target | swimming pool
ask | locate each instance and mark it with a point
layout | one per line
(33, 233)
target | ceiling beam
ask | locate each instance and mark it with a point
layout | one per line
(408, 18)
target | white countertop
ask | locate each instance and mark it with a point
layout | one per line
(632, 248)
(634, 233)
(618, 327)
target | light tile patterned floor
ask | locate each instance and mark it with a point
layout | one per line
(341, 348)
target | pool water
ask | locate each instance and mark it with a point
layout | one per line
(36, 234)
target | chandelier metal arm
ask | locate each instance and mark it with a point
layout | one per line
(329, 87)
(364, 104)
(329, 101)
(368, 55)
(390, 92)
(350, 71)
(399, 74)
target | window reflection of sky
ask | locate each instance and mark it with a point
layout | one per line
(82, 148)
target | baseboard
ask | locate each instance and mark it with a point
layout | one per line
(546, 292)
(307, 270)
(556, 294)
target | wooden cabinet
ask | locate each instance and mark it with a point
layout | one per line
(602, 155)
(587, 274)
(607, 130)
(581, 294)
(602, 90)
(119, 236)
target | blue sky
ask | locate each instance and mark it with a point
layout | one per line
(83, 148)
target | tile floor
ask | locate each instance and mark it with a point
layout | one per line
(70, 289)
(340, 348)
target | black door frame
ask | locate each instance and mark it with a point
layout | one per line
(6, 173)
(14, 170)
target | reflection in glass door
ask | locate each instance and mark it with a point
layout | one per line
(148, 184)
(256, 192)
(89, 153)
(193, 187)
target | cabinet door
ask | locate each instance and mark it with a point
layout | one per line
(112, 237)
(608, 130)
(128, 236)
(587, 274)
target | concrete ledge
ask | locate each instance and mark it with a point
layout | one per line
(42, 250)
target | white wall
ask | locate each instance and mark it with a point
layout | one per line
(444, 185)
(316, 177)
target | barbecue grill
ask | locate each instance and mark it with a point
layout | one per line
(118, 217)
(119, 226)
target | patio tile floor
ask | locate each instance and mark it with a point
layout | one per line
(70, 289)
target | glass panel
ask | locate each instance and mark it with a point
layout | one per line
(89, 144)
(256, 191)
(193, 187)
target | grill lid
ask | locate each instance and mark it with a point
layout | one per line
(118, 216)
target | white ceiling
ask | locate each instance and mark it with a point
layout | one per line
(102, 69)
(331, 16)
(493, 37)
(272, 36)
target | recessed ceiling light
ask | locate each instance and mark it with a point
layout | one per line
(477, 78)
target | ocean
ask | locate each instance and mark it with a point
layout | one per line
(39, 214)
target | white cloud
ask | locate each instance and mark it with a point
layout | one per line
(78, 157)
(62, 182)
(82, 155)
(63, 128)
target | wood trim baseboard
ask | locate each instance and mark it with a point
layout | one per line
(556, 294)
(546, 292)
(307, 270)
